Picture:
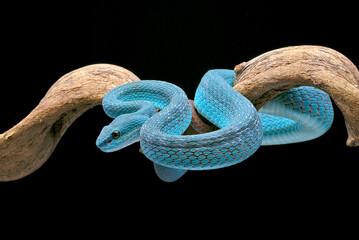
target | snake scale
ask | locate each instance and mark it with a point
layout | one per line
(156, 113)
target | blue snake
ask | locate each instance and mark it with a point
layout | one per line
(157, 113)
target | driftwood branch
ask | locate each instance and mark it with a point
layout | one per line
(26, 146)
(274, 72)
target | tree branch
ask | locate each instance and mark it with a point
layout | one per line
(274, 72)
(26, 146)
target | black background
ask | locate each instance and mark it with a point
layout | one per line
(176, 42)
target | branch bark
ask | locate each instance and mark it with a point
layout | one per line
(26, 146)
(274, 72)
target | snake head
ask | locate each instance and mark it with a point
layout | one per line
(121, 132)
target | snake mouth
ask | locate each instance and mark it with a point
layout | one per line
(104, 145)
(108, 149)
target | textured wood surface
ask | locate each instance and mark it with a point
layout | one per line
(274, 72)
(26, 146)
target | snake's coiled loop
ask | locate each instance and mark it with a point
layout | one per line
(298, 115)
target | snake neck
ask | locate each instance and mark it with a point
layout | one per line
(174, 115)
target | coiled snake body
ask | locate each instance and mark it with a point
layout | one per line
(298, 115)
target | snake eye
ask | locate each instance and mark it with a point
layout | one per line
(116, 134)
